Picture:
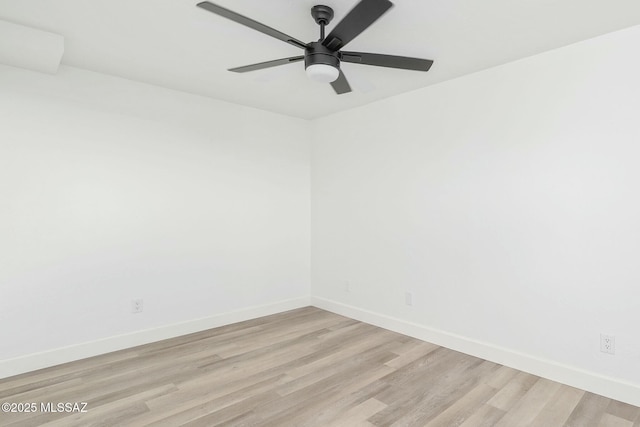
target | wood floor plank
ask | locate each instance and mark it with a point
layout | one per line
(57, 374)
(358, 414)
(530, 405)
(405, 357)
(112, 413)
(209, 416)
(430, 391)
(485, 416)
(623, 410)
(463, 408)
(332, 408)
(513, 391)
(302, 368)
(308, 403)
(609, 420)
(205, 404)
(589, 411)
(501, 377)
(557, 411)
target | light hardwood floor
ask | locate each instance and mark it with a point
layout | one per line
(305, 367)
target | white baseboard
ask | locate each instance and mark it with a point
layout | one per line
(613, 388)
(32, 362)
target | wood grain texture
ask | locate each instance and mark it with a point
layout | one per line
(304, 367)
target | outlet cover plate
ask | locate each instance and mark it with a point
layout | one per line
(608, 344)
(408, 298)
(137, 305)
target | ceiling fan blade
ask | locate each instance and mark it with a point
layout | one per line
(357, 20)
(248, 22)
(341, 85)
(391, 61)
(267, 64)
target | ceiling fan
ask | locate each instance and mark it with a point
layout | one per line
(322, 58)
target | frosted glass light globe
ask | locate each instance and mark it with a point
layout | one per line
(322, 73)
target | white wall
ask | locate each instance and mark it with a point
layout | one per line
(112, 190)
(507, 202)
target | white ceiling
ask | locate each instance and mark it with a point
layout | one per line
(174, 44)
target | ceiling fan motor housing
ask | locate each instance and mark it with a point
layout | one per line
(316, 53)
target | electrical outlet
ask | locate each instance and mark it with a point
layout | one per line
(347, 286)
(136, 305)
(408, 298)
(607, 344)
